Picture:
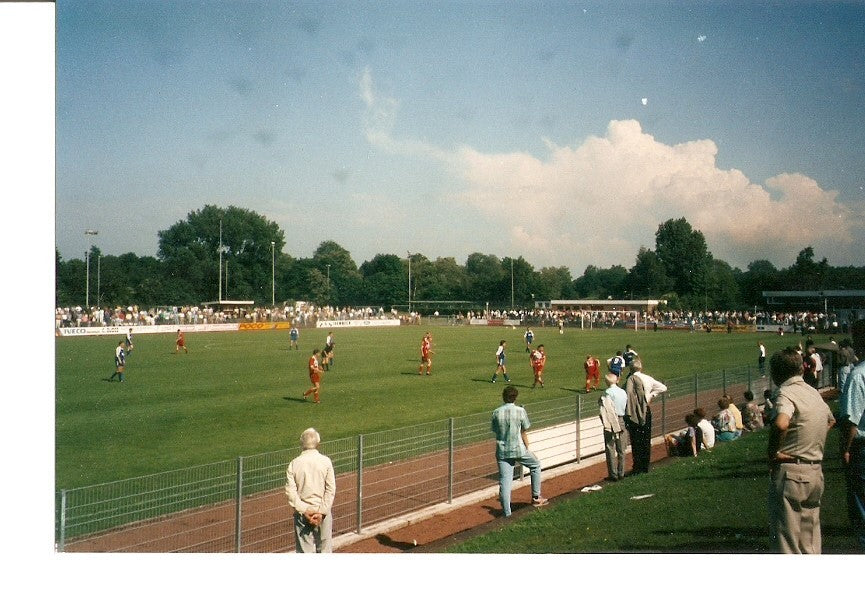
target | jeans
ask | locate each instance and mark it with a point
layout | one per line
(506, 478)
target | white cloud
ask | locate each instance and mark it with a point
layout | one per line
(598, 201)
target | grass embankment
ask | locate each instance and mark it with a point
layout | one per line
(712, 504)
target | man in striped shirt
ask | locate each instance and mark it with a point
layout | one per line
(510, 424)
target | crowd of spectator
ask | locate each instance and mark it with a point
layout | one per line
(308, 314)
(301, 313)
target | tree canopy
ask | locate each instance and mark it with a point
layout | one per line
(186, 270)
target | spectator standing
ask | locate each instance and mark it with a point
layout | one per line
(509, 425)
(847, 359)
(641, 390)
(612, 412)
(311, 487)
(768, 407)
(795, 454)
(761, 358)
(852, 414)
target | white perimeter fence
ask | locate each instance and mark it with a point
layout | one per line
(240, 505)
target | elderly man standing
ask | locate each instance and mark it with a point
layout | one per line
(852, 415)
(641, 390)
(796, 444)
(612, 412)
(311, 486)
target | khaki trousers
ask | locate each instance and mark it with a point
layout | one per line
(795, 490)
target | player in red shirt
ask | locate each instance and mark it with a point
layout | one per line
(538, 359)
(593, 372)
(426, 354)
(180, 342)
(314, 377)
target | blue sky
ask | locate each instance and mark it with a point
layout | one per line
(563, 132)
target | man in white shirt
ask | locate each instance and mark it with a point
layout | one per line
(310, 487)
(641, 390)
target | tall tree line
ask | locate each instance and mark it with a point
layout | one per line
(188, 270)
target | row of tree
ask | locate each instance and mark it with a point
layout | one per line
(189, 270)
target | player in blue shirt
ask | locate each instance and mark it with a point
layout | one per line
(500, 363)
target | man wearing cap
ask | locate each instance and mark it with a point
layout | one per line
(795, 452)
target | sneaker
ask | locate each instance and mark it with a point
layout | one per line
(539, 501)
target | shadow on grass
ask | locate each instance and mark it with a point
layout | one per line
(706, 539)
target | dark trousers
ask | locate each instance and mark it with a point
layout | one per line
(855, 475)
(641, 442)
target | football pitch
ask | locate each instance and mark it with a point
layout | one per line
(239, 393)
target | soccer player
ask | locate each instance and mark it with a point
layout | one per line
(119, 362)
(293, 335)
(616, 364)
(539, 360)
(327, 357)
(180, 342)
(593, 372)
(129, 345)
(500, 362)
(426, 354)
(529, 337)
(314, 377)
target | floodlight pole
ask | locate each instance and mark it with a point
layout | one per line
(409, 280)
(88, 232)
(273, 274)
(512, 284)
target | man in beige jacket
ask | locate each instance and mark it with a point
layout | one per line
(310, 487)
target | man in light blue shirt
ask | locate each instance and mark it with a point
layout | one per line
(510, 424)
(851, 411)
(612, 412)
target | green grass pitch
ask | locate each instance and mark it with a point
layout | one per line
(239, 393)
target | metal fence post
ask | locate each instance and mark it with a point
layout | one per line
(450, 460)
(62, 544)
(577, 424)
(724, 381)
(750, 387)
(663, 414)
(696, 391)
(359, 483)
(238, 512)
